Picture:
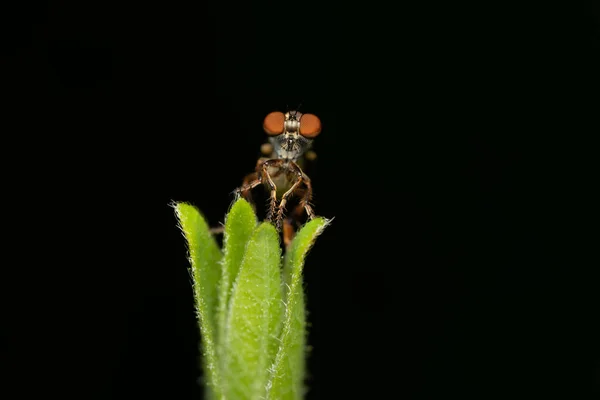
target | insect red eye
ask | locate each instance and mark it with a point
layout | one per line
(273, 123)
(310, 125)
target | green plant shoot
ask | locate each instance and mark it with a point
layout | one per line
(250, 305)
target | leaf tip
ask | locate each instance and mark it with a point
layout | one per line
(317, 224)
(267, 229)
(241, 207)
(181, 208)
(323, 222)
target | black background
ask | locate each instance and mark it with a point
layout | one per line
(436, 279)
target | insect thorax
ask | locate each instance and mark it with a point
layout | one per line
(290, 146)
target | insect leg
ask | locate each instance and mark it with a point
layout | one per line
(244, 190)
(307, 197)
(250, 181)
(265, 174)
(305, 201)
(284, 199)
(262, 175)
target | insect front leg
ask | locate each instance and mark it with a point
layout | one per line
(250, 182)
(267, 178)
(305, 201)
(284, 200)
(307, 197)
(262, 176)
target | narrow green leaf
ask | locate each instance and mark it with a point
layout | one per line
(204, 256)
(254, 320)
(288, 370)
(239, 225)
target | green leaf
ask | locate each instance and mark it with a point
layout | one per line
(288, 370)
(240, 223)
(254, 320)
(204, 256)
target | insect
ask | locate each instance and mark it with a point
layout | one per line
(291, 136)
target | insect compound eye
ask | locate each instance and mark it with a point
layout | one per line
(273, 123)
(310, 125)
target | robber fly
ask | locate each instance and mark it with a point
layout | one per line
(290, 138)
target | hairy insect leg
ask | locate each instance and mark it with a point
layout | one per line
(249, 182)
(294, 220)
(308, 191)
(267, 177)
(244, 190)
(305, 201)
(301, 177)
(284, 200)
(261, 175)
